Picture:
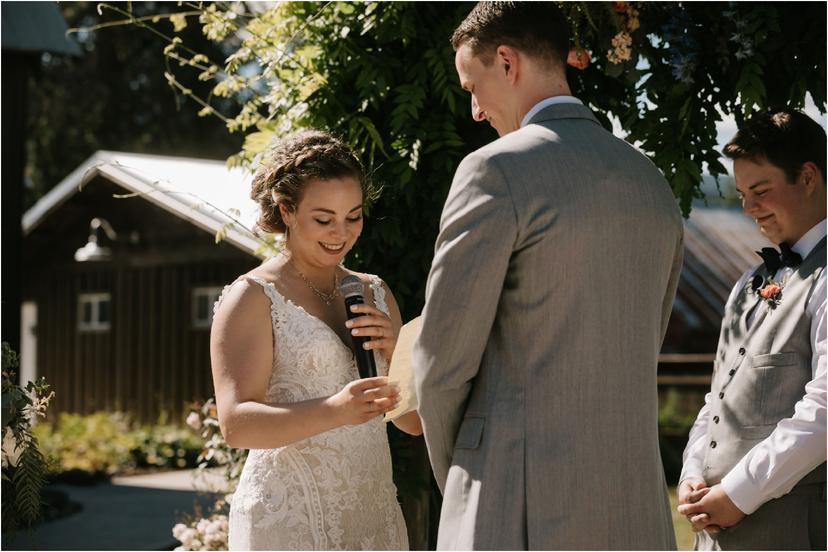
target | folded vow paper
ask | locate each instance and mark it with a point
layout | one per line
(400, 370)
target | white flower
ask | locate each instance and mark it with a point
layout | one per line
(189, 537)
(178, 530)
(202, 525)
(194, 421)
(213, 528)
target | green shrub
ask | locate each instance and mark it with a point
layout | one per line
(24, 466)
(109, 443)
(673, 416)
(166, 446)
(96, 443)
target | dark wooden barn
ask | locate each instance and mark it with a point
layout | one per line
(121, 269)
(29, 29)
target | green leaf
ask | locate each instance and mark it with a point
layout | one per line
(257, 142)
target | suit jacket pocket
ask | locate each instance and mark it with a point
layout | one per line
(771, 387)
(757, 432)
(774, 359)
(470, 433)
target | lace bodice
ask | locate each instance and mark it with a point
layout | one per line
(330, 491)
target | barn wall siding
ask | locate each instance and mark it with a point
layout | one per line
(151, 360)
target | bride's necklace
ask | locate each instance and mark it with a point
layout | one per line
(326, 298)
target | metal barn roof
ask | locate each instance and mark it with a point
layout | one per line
(205, 192)
(720, 245)
(35, 27)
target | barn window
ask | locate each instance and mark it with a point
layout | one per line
(94, 312)
(203, 300)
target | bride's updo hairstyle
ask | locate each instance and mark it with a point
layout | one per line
(295, 161)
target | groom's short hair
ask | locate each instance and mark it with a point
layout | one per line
(784, 137)
(538, 29)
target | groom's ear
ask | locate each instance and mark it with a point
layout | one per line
(509, 60)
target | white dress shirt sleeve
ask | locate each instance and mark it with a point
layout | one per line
(797, 445)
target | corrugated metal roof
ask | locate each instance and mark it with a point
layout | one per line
(720, 245)
(35, 27)
(205, 192)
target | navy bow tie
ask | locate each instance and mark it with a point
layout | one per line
(775, 259)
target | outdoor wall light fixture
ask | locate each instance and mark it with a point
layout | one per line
(92, 251)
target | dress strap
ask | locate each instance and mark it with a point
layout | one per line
(379, 293)
(267, 287)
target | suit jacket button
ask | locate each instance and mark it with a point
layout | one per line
(742, 351)
(731, 372)
(715, 419)
(712, 444)
(721, 395)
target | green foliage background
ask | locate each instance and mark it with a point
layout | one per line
(382, 76)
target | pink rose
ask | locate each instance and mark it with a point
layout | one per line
(770, 291)
(578, 58)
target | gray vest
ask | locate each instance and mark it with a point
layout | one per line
(760, 373)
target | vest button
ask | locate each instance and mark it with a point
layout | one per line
(742, 351)
(731, 372)
(712, 444)
(721, 395)
(715, 419)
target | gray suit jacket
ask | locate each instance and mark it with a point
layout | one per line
(552, 282)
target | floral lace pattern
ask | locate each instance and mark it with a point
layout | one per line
(330, 491)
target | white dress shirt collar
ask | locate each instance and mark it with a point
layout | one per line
(547, 102)
(810, 240)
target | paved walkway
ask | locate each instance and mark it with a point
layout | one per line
(129, 513)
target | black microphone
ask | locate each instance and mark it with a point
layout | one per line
(352, 289)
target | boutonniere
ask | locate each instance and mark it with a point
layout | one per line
(768, 289)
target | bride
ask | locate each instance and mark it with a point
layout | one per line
(318, 475)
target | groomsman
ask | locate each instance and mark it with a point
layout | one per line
(754, 467)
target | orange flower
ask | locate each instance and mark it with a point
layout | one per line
(578, 58)
(770, 291)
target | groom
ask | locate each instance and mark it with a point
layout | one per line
(552, 282)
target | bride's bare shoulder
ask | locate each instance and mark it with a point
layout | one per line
(247, 293)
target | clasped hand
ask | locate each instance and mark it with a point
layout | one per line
(707, 508)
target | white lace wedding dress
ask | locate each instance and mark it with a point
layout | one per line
(330, 491)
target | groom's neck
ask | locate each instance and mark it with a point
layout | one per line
(537, 88)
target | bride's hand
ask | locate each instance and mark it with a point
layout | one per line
(363, 399)
(374, 324)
